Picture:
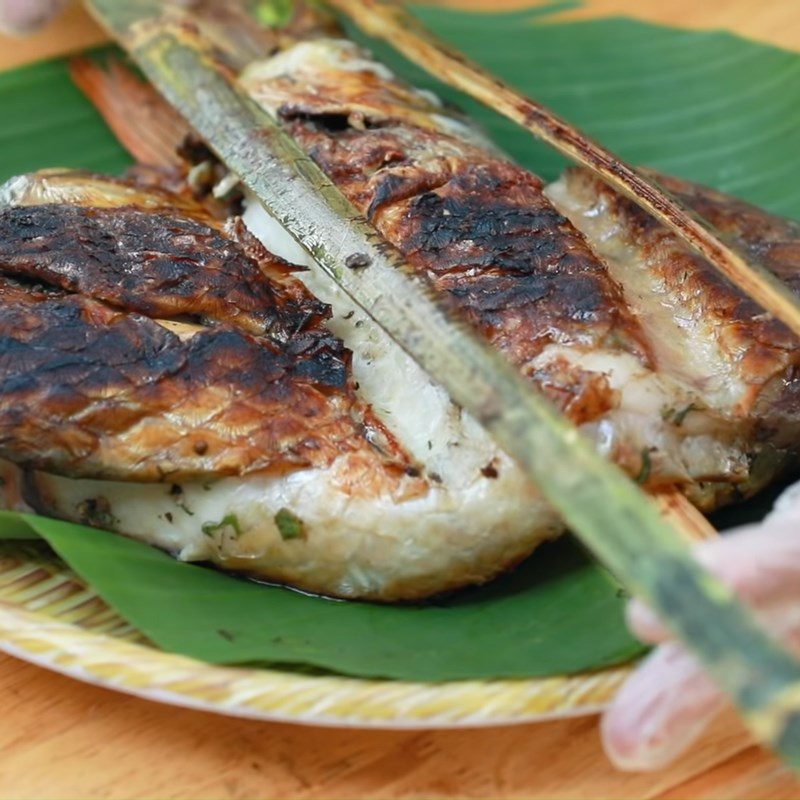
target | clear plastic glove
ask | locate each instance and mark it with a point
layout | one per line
(669, 701)
(20, 17)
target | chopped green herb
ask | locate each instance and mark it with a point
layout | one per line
(96, 511)
(273, 13)
(228, 521)
(183, 507)
(644, 472)
(290, 526)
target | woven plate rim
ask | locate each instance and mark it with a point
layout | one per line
(50, 618)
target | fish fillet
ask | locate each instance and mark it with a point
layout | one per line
(337, 465)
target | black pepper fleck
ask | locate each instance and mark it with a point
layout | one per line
(357, 261)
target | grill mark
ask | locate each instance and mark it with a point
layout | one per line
(91, 387)
(152, 263)
(89, 391)
(480, 230)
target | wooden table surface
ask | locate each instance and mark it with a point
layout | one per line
(63, 739)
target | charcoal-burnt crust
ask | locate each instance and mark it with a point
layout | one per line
(94, 384)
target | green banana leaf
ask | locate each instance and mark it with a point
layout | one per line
(46, 121)
(709, 106)
(557, 613)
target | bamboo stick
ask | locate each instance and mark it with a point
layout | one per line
(390, 21)
(603, 507)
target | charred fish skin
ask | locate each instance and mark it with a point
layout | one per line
(516, 262)
(101, 251)
(96, 382)
(90, 392)
(489, 236)
(476, 225)
(763, 348)
(132, 422)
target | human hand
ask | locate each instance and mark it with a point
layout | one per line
(20, 17)
(669, 701)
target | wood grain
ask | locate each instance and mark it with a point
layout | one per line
(774, 21)
(63, 739)
(73, 31)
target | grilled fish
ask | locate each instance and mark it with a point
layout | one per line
(676, 375)
(164, 375)
(219, 401)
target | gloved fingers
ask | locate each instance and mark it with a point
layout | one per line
(669, 701)
(761, 563)
(660, 711)
(787, 506)
(20, 17)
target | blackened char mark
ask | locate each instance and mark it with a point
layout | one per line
(153, 263)
(480, 229)
(89, 391)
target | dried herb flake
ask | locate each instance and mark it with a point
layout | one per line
(289, 525)
(228, 521)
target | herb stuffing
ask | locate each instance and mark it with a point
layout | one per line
(644, 472)
(229, 521)
(289, 525)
